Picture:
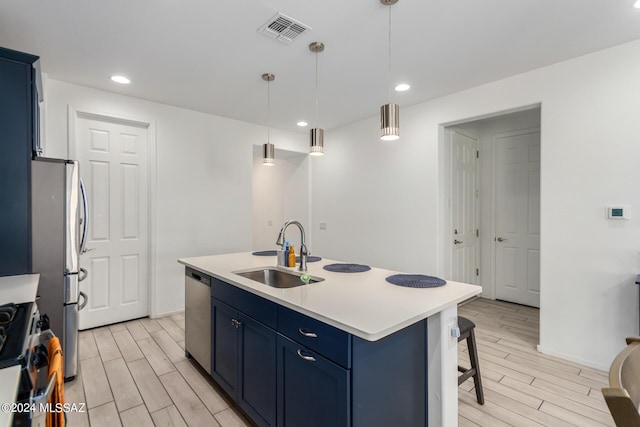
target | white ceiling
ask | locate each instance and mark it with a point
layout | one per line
(208, 56)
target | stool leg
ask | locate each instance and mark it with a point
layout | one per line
(473, 357)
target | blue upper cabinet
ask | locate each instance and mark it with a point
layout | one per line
(18, 129)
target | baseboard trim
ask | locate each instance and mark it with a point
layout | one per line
(168, 313)
(579, 360)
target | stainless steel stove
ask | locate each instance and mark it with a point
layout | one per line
(24, 338)
(15, 324)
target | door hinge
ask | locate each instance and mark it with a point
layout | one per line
(477, 272)
(477, 233)
(477, 154)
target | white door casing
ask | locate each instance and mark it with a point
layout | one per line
(114, 164)
(464, 207)
(517, 227)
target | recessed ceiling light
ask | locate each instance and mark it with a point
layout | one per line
(637, 4)
(302, 123)
(120, 79)
(403, 86)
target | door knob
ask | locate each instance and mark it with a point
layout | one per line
(501, 239)
(457, 242)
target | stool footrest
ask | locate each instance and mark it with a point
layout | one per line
(467, 373)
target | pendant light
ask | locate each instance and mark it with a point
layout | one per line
(316, 135)
(389, 113)
(268, 149)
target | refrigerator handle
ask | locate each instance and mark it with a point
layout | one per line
(85, 218)
(85, 300)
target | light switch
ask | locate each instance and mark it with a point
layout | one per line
(323, 225)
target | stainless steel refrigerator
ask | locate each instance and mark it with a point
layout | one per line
(59, 213)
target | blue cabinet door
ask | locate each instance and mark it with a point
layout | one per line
(257, 371)
(224, 343)
(16, 139)
(312, 391)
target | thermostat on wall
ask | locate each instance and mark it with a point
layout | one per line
(618, 212)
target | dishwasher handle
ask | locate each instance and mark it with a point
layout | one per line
(198, 276)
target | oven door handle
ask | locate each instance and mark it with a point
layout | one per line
(85, 301)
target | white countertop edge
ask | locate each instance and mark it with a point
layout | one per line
(249, 286)
(18, 289)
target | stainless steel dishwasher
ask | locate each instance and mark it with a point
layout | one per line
(197, 290)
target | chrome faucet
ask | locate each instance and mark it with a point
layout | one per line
(303, 245)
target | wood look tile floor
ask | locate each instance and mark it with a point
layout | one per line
(135, 374)
(523, 387)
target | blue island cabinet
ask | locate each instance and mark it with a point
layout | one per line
(312, 391)
(244, 362)
(286, 369)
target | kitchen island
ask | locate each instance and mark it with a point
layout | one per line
(381, 348)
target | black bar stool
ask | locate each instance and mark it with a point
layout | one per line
(466, 327)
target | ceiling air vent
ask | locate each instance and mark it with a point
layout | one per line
(283, 28)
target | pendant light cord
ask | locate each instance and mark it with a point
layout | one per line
(268, 111)
(316, 88)
(389, 53)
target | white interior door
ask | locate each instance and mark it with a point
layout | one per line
(517, 240)
(464, 207)
(113, 164)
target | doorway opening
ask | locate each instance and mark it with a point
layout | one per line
(494, 205)
(279, 193)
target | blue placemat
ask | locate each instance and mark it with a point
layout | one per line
(416, 281)
(265, 253)
(347, 268)
(310, 258)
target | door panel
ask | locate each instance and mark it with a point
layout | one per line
(312, 391)
(113, 163)
(224, 361)
(518, 218)
(464, 208)
(257, 376)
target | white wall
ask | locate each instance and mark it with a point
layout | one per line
(204, 166)
(280, 193)
(384, 205)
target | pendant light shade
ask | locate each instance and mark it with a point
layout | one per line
(316, 135)
(389, 122)
(316, 142)
(389, 113)
(268, 149)
(268, 154)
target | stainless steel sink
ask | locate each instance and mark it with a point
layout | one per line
(277, 278)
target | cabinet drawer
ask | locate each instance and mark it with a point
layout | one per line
(257, 307)
(327, 340)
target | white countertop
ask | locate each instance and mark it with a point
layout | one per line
(18, 289)
(9, 378)
(363, 304)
